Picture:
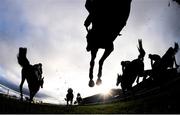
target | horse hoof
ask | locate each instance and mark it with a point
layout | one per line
(91, 83)
(99, 81)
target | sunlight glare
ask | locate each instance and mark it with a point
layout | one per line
(104, 89)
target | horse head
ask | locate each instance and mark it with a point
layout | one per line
(119, 79)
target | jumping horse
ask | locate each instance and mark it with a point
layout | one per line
(31, 73)
(107, 19)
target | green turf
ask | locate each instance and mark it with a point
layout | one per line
(160, 103)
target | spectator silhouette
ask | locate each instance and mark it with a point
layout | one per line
(78, 99)
(31, 73)
(107, 19)
(69, 96)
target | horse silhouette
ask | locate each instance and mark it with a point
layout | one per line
(154, 59)
(69, 96)
(31, 73)
(166, 62)
(131, 70)
(107, 19)
(78, 99)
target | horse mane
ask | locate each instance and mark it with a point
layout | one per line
(21, 57)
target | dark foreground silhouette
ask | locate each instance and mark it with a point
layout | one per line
(107, 19)
(163, 69)
(69, 96)
(31, 73)
(79, 99)
(131, 70)
(160, 100)
(163, 64)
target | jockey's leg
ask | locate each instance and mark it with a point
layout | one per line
(107, 52)
(93, 56)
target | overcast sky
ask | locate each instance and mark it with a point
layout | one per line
(53, 32)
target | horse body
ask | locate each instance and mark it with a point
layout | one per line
(33, 81)
(107, 18)
(167, 61)
(131, 70)
(69, 96)
(29, 73)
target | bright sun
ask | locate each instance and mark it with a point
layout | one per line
(105, 90)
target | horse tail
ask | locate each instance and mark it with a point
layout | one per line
(21, 57)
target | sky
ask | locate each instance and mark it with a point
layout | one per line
(54, 34)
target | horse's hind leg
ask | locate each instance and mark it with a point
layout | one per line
(32, 94)
(67, 103)
(107, 52)
(93, 56)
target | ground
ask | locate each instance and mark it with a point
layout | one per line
(164, 99)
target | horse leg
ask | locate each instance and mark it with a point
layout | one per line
(22, 82)
(93, 56)
(71, 102)
(107, 52)
(32, 94)
(67, 103)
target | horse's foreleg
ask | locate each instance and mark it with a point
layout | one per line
(92, 62)
(20, 87)
(107, 52)
(31, 96)
(71, 102)
(21, 84)
(67, 103)
(93, 56)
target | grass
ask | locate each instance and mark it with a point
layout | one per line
(166, 103)
(165, 100)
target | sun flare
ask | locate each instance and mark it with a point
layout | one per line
(104, 90)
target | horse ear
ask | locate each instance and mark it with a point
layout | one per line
(43, 78)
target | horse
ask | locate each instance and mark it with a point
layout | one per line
(107, 19)
(31, 73)
(167, 61)
(78, 99)
(131, 70)
(69, 96)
